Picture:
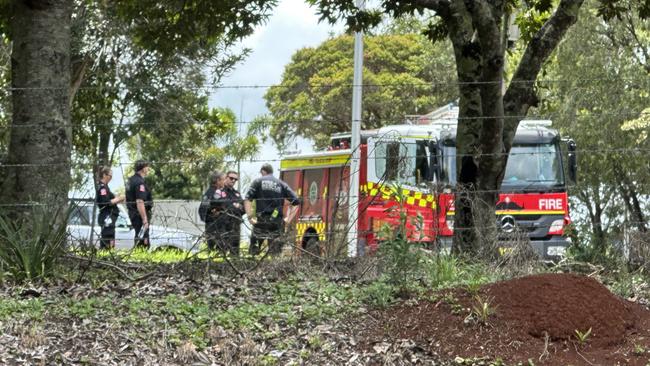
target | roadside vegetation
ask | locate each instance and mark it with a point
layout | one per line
(192, 308)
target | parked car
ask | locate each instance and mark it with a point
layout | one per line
(79, 229)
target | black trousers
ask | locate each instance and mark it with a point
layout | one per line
(107, 237)
(267, 229)
(223, 235)
(141, 239)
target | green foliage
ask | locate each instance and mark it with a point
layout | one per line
(31, 242)
(186, 141)
(402, 258)
(582, 337)
(441, 270)
(598, 103)
(11, 309)
(192, 28)
(403, 74)
(626, 284)
(482, 309)
(378, 294)
(531, 20)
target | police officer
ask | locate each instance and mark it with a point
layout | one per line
(234, 211)
(212, 206)
(139, 203)
(108, 211)
(269, 194)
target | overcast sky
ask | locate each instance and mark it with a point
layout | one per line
(293, 26)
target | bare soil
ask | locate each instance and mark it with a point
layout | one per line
(534, 319)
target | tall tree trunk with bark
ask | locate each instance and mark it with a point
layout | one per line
(479, 59)
(488, 119)
(38, 162)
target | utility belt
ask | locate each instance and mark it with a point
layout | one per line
(274, 216)
(108, 221)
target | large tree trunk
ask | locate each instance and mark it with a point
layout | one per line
(488, 119)
(38, 163)
(479, 144)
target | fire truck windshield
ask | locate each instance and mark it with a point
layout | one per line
(529, 166)
(403, 162)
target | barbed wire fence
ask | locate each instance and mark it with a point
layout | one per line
(186, 212)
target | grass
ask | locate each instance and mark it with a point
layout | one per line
(190, 317)
(194, 320)
(582, 337)
(167, 254)
(482, 309)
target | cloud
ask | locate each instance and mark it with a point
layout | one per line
(292, 26)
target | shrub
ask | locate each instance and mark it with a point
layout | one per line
(402, 259)
(32, 242)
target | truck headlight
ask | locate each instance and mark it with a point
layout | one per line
(556, 227)
(450, 223)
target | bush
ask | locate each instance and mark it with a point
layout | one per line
(442, 270)
(32, 242)
(401, 258)
(379, 294)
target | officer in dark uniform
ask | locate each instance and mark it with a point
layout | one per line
(269, 194)
(108, 211)
(211, 209)
(234, 212)
(139, 202)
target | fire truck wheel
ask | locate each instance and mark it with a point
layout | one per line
(312, 246)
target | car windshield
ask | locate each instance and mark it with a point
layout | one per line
(530, 165)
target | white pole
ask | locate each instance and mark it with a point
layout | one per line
(357, 88)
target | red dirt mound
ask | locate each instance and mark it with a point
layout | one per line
(533, 318)
(560, 304)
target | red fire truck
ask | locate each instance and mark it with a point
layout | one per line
(414, 158)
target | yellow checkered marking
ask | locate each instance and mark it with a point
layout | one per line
(301, 229)
(414, 198)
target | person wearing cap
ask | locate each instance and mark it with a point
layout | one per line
(269, 194)
(108, 211)
(139, 202)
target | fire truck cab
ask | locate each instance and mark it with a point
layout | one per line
(413, 166)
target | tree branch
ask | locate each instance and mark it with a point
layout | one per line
(520, 95)
(441, 7)
(78, 75)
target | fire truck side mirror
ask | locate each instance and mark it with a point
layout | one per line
(572, 160)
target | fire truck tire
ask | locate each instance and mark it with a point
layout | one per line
(312, 245)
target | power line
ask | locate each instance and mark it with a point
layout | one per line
(211, 86)
(384, 123)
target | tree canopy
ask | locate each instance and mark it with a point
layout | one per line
(129, 58)
(597, 92)
(402, 75)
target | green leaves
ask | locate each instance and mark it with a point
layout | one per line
(403, 74)
(31, 244)
(531, 20)
(191, 27)
(610, 9)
